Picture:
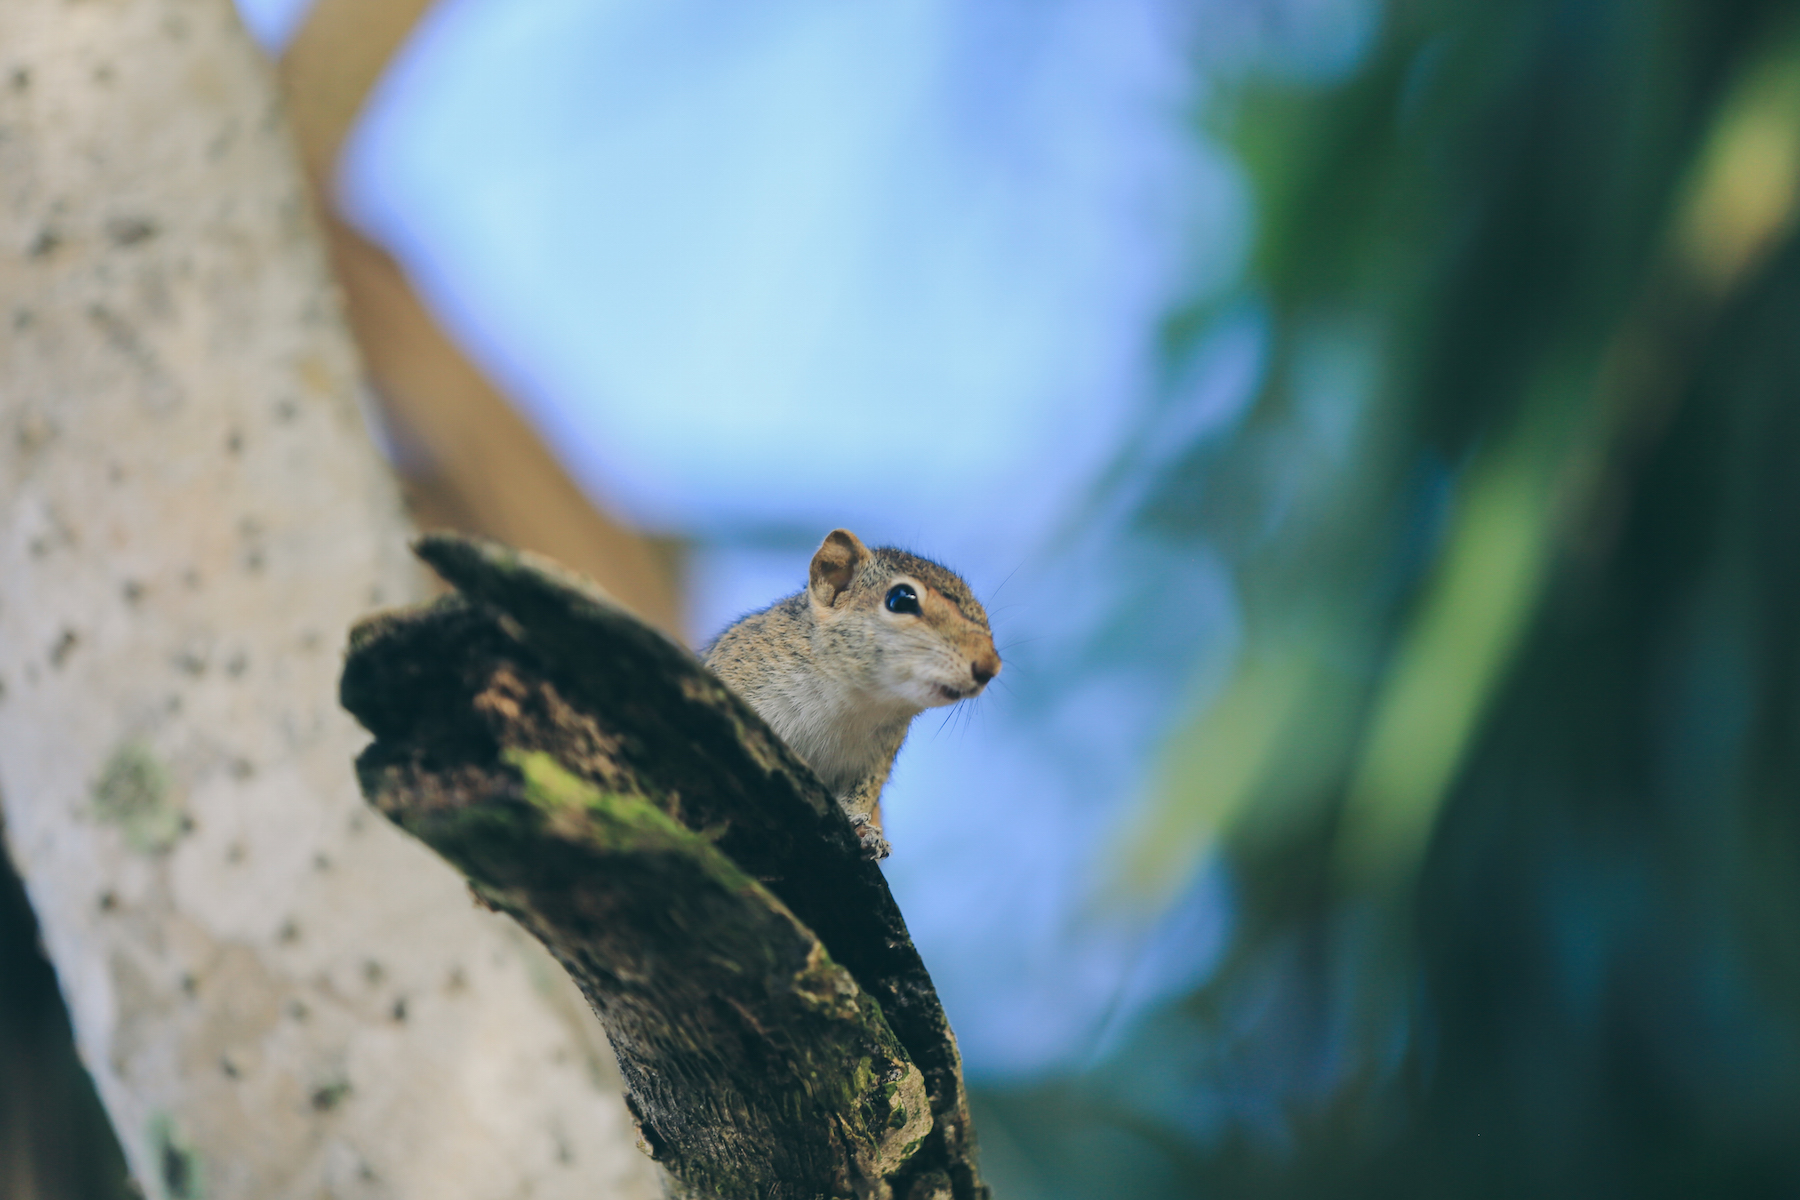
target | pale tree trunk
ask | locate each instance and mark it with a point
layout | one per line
(277, 994)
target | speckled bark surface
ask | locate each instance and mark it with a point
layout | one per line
(771, 1016)
(279, 996)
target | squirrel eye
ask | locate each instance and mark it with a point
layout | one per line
(902, 599)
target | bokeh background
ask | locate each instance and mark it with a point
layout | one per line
(1374, 428)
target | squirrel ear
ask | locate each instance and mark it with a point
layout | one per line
(839, 557)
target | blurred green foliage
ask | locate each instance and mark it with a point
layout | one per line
(1508, 770)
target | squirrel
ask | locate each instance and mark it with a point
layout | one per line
(840, 669)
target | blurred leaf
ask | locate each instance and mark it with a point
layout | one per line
(1504, 770)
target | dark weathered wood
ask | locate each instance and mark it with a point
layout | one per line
(777, 1031)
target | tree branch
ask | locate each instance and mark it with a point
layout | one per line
(776, 1028)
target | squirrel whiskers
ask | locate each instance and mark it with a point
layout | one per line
(840, 669)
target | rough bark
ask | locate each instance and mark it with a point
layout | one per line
(277, 995)
(778, 1033)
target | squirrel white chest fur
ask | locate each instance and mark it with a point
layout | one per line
(838, 728)
(840, 670)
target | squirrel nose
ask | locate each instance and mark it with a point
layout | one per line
(983, 672)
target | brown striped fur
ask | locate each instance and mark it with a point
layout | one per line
(839, 677)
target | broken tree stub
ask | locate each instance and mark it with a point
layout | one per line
(777, 1031)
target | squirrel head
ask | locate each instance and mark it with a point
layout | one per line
(912, 627)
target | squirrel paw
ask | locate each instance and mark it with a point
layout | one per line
(874, 846)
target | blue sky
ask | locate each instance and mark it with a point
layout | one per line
(897, 265)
